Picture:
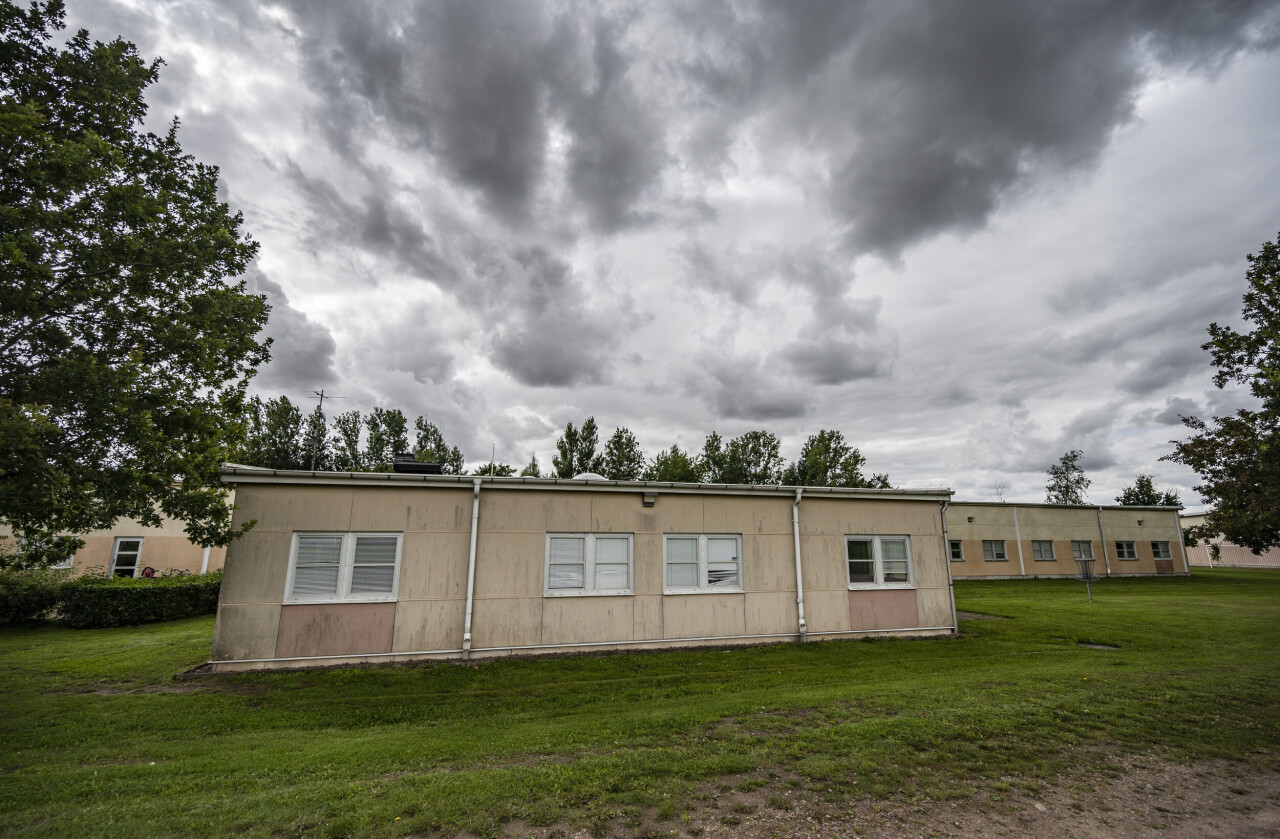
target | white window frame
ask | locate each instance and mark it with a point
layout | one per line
(1038, 544)
(996, 545)
(877, 556)
(1081, 549)
(954, 546)
(589, 567)
(115, 551)
(1126, 551)
(703, 587)
(1164, 552)
(346, 565)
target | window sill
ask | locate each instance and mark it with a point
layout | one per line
(702, 591)
(881, 586)
(996, 560)
(327, 601)
(563, 593)
(1051, 559)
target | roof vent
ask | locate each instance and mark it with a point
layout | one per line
(589, 476)
(406, 463)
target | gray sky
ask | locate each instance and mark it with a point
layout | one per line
(969, 235)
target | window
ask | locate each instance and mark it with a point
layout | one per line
(879, 561)
(1125, 550)
(957, 550)
(124, 557)
(1042, 550)
(588, 563)
(702, 563)
(1081, 550)
(993, 550)
(1160, 550)
(343, 566)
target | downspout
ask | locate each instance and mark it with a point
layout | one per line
(795, 530)
(951, 584)
(471, 568)
(1106, 555)
(1017, 534)
(204, 563)
(1182, 545)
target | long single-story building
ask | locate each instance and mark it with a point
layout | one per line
(1001, 540)
(347, 568)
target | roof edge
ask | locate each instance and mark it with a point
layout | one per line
(235, 474)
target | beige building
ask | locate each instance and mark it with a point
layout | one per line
(1001, 541)
(131, 549)
(1226, 555)
(345, 568)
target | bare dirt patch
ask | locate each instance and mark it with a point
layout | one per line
(1133, 797)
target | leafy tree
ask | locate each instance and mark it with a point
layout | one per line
(347, 456)
(1067, 481)
(498, 470)
(125, 347)
(753, 458)
(282, 434)
(317, 451)
(533, 470)
(711, 462)
(674, 466)
(1238, 457)
(429, 446)
(576, 450)
(623, 459)
(388, 436)
(826, 460)
(1143, 493)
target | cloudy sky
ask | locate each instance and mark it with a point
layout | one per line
(971, 236)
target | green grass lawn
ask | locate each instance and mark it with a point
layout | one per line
(99, 740)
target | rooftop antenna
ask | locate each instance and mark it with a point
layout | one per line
(493, 453)
(321, 395)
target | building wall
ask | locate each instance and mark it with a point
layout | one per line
(512, 615)
(164, 549)
(1019, 525)
(1229, 555)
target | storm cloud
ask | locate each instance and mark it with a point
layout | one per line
(970, 236)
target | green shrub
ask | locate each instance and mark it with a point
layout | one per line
(29, 594)
(92, 602)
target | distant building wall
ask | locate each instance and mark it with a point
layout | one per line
(1043, 540)
(1228, 555)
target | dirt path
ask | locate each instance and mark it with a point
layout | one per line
(1141, 797)
(1134, 797)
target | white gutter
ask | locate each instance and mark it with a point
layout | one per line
(471, 567)
(1017, 534)
(795, 529)
(951, 583)
(1106, 555)
(204, 563)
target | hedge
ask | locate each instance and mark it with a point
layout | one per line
(28, 595)
(92, 602)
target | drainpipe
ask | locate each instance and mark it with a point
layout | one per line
(951, 584)
(471, 568)
(1106, 555)
(1182, 545)
(1017, 534)
(795, 530)
(204, 563)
